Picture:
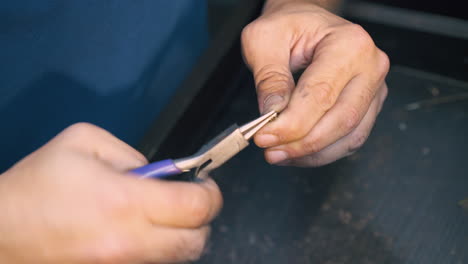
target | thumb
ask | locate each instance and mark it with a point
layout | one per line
(269, 63)
(274, 83)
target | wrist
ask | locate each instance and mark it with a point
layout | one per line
(331, 5)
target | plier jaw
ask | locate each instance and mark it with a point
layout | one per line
(222, 148)
(215, 153)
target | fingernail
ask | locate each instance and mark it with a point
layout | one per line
(272, 102)
(266, 140)
(276, 156)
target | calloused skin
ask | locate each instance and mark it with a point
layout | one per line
(73, 201)
(331, 110)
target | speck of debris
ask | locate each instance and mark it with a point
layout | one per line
(402, 126)
(425, 151)
(326, 207)
(463, 204)
(362, 223)
(377, 234)
(223, 229)
(252, 239)
(348, 195)
(434, 91)
(233, 255)
(413, 106)
(268, 241)
(344, 216)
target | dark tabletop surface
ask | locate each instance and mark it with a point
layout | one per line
(397, 200)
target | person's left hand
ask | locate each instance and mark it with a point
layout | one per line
(330, 113)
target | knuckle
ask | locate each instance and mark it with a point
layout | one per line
(198, 244)
(384, 92)
(357, 140)
(82, 127)
(111, 249)
(252, 31)
(351, 119)
(359, 36)
(245, 35)
(247, 31)
(323, 95)
(81, 131)
(216, 200)
(200, 207)
(273, 78)
(293, 131)
(311, 146)
(191, 245)
(317, 17)
(383, 62)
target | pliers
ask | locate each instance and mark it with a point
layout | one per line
(210, 156)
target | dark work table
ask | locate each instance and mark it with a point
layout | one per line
(398, 200)
(394, 201)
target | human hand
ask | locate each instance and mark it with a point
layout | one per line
(73, 201)
(331, 110)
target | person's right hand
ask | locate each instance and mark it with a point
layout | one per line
(73, 201)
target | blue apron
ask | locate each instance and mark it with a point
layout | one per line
(112, 63)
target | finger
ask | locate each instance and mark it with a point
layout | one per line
(333, 67)
(172, 245)
(351, 106)
(346, 145)
(270, 66)
(102, 145)
(145, 244)
(176, 204)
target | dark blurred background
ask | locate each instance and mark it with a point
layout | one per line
(400, 199)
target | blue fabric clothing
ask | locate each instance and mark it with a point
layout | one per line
(112, 63)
